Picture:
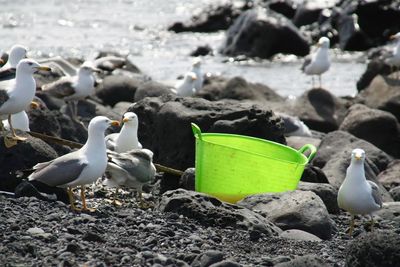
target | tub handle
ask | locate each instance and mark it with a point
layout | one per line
(196, 130)
(313, 151)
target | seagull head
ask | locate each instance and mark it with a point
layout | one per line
(323, 42)
(196, 62)
(358, 155)
(30, 66)
(101, 123)
(88, 69)
(190, 77)
(17, 53)
(131, 119)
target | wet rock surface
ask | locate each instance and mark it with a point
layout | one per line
(263, 33)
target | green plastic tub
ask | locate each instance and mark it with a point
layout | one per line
(231, 167)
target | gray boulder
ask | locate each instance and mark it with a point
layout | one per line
(208, 258)
(326, 192)
(374, 249)
(375, 126)
(117, 88)
(263, 33)
(390, 177)
(213, 18)
(383, 93)
(164, 125)
(338, 141)
(319, 109)
(390, 212)
(217, 88)
(151, 89)
(302, 210)
(210, 211)
(299, 235)
(23, 156)
(305, 261)
(395, 193)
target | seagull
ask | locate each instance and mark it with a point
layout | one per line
(294, 126)
(127, 138)
(17, 53)
(17, 94)
(73, 88)
(186, 86)
(80, 167)
(358, 195)
(319, 62)
(394, 59)
(20, 120)
(131, 169)
(196, 69)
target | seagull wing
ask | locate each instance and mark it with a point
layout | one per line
(62, 64)
(306, 62)
(3, 96)
(110, 141)
(137, 163)
(375, 193)
(60, 171)
(7, 74)
(61, 88)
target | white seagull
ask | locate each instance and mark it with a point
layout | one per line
(357, 195)
(186, 86)
(196, 69)
(73, 88)
(17, 53)
(17, 94)
(319, 62)
(127, 138)
(80, 167)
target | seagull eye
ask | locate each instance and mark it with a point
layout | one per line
(30, 63)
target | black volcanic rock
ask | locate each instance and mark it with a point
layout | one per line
(164, 125)
(264, 33)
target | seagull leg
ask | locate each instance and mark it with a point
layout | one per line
(312, 81)
(71, 199)
(320, 81)
(84, 207)
(351, 225)
(142, 203)
(115, 201)
(372, 222)
(10, 141)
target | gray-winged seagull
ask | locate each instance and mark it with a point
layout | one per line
(80, 167)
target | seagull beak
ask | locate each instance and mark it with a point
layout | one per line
(318, 45)
(114, 123)
(125, 120)
(357, 156)
(392, 37)
(1, 61)
(43, 68)
(96, 70)
(194, 78)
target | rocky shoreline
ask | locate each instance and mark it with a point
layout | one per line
(182, 227)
